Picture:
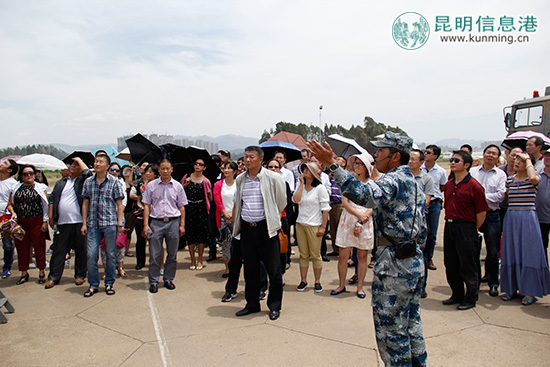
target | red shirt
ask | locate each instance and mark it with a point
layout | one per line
(464, 200)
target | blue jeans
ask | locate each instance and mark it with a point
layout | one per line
(491, 235)
(94, 237)
(7, 245)
(432, 220)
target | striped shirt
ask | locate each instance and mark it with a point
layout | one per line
(253, 203)
(521, 194)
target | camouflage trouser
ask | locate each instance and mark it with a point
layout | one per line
(396, 309)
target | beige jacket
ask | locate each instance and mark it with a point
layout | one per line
(273, 191)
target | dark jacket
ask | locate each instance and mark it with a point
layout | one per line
(55, 196)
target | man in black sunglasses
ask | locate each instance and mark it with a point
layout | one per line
(465, 211)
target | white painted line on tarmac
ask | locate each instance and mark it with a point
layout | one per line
(163, 347)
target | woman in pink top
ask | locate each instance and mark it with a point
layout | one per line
(224, 190)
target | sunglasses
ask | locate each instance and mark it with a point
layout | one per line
(272, 166)
(427, 152)
(199, 164)
(28, 173)
(115, 170)
(455, 160)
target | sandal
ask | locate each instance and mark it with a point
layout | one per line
(200, 267)
(129, 254)
(109, 290)
(193, 267)
(527, 302)
(508, 297)
(371, 264)
(122, 273)
(90, 292)
(42, 278)
(353, 279)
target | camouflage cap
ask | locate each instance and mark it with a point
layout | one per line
(401, 142)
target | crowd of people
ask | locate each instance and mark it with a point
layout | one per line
(257, 208)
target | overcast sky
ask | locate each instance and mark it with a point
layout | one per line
(85, 72)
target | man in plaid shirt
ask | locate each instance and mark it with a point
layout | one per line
(102, 213)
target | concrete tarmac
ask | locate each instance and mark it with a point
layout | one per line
(190, 326)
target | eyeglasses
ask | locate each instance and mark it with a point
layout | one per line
(455, 160)
(359, 163)
(28, 173)
(492, 153)
(115, 170)
(199, 164)
(274, 167)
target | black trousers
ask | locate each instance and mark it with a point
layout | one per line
(69, 236)
(545, 232)
(140, 244)
(461, 257)
(235, 265)
(258, 247)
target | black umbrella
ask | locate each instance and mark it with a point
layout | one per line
(87, 158)
(175, 153)
(212, 170)
(143, 150)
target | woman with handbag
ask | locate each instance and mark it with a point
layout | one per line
(355, 230)
(224, 190)
(30, 204)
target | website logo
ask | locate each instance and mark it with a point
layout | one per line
(410, 31)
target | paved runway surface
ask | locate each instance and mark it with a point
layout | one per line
(190, 326)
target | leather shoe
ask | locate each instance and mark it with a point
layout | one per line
(431, 265)
(153, 288)
(169, 285)
(450, 301)
(484, 279)
(465, 306)
(79, 281)
(493, 292)
(274, 314)
(49, 284)
(325, 258)
(423, 294)
(139, 266)
(210, 258)
(246, 311)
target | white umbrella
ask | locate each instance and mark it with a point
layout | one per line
(344, 147)
(43, 161)
(124, 154)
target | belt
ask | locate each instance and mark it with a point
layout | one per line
(166, 219)
(195, 201)
(254, 224)
(458, 221)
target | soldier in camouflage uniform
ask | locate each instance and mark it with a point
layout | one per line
(397, 283)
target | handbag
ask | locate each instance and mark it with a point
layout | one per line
(405, 248)
(283, 240)
(11, 229)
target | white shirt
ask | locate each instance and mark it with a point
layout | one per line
(228, 193)
(6, 187)
(439, 176)
(69, 210)
(311, 206)
(288, 176)
(494, 183)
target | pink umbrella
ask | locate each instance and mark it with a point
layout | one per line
(519, 139)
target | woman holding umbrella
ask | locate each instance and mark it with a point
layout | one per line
(29, 200)
(199, 195)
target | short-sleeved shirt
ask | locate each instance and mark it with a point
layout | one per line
(463, 201)
(425, 182)
(438, 174)
(165, 199)
(494, 184)
(6, 187)
(69, 209)
(543, 198)
(312, 204)
(102, 211)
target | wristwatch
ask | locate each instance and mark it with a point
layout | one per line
(333, 167)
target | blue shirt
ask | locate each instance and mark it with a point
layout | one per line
(438, 174)
(102, 207)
